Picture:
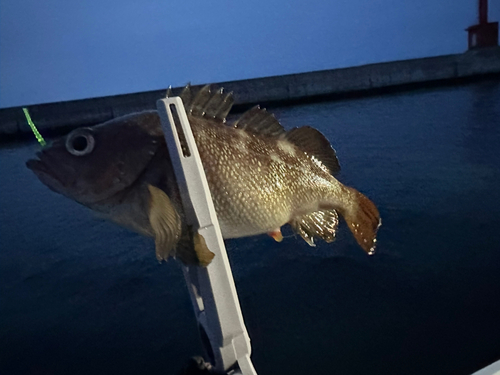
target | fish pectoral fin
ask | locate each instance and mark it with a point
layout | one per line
(322, 224)
(202, 251)
(193, 250)
(363, 220)
(165, 222)
(313, 142)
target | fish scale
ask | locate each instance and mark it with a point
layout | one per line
(253, 192)
(260, 176)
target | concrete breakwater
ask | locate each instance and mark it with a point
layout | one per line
(359, 80)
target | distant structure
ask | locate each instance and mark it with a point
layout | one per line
(484, 34)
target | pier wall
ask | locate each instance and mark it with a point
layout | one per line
(359, 80)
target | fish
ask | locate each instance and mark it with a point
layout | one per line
(261, 177)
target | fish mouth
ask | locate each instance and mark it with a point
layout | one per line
(44, 173)
(36, 165)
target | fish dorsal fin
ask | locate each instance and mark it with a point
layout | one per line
(219, 105)
(186, 95)
(206, 103)
(321, 224)
(259, 121)
(169, 92)
(200, 101)
(312, 142)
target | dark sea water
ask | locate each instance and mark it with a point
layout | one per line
(83, 296)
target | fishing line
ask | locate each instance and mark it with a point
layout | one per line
(35, 131)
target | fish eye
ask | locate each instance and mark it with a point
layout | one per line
(80, 142)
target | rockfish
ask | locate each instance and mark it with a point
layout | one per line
(261, 177)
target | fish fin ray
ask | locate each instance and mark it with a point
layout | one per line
(186, 95)
(207, 103)
(225, 107)
(193, 250)
(200, 101)
(363, 220)
(322, 224)
(165, 222)
(169, 92)
(258, 121)
(213, 104)
(313, 142)
(202, 251)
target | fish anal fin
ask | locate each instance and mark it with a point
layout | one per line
(313, 142)
(164, 221)
(363, 220)
(258, 121)
(276, 235)
(321, 224)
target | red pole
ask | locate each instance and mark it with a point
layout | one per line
(483, 11)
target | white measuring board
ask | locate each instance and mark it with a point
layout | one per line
(493, 369)
(212, 289)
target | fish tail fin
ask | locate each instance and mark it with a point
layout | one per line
(363, 219)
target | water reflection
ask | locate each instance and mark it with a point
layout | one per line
(82, 296)
(482, 127)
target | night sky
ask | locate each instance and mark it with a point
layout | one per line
(57, 50)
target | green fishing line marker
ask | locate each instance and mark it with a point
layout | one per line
(38, 136)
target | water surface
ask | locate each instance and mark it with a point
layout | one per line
(81, 296)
